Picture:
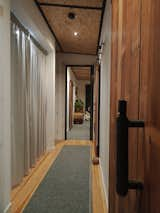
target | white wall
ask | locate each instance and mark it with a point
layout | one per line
(70, 77)
(76, 59)
(60, 99)
(61, 61)
(105, 97)
(5, 95)
(28, 14)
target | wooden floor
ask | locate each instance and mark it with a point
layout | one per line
(22, 194)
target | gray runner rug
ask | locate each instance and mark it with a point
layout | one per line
(67, 186)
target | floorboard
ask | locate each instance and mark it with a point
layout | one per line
(22, 194)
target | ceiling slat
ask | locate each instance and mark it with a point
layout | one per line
(86, 24)
(71, 6)
(81, 73)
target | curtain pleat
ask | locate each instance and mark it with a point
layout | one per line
(28, 103)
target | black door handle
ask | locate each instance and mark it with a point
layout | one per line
(123, 184)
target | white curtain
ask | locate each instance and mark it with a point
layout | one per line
(28, 104)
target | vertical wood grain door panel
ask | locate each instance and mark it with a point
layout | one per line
(135, 78)
(124, 85)
(149, 139)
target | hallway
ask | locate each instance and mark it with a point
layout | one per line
(22, 194)
(79, 131)
(86, 70)
(41, 39)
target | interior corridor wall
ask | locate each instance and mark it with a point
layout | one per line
(5, 95)
(105, 97)
(50, 78)
(61, 61)
(60, 99)
(34, 21)
(80, 85)
(32, 102)
(30, 17)
(70, 77)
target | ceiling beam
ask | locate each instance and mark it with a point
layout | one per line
(78, 65)
(70, 6)
(80, 76)
(79, 53)
(50, 28)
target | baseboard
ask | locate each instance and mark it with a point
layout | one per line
(58, 141)
(7, 209)
(104, 187)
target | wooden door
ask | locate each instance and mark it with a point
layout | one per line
(125, 84)
(135, 78)
(70, 104)
(149, 139)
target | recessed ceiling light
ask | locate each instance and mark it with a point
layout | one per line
(75, 33)
(71, 15)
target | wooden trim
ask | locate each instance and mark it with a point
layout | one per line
(50, 28)
(99, 102)
(92, 101)
(77, 53)
(80, 65)
(101, 23)
(113, 108)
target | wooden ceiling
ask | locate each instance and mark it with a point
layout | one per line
(87, 23)
(89, 3)
(82, 73)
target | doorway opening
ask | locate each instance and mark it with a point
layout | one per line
(79, 102)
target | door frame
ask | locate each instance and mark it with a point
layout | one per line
(97, 96)
(70, 100)
(92, 83)
(86, 93)
(99, 105)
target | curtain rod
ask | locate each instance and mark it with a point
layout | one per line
(16, 21)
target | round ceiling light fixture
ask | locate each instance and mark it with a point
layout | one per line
(75, 33)
(71, 15)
